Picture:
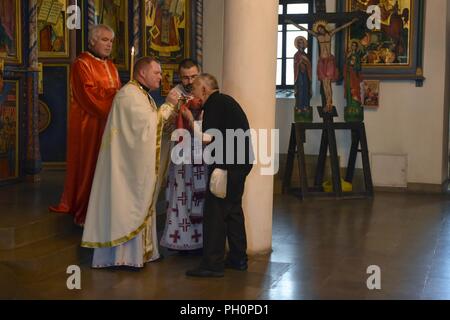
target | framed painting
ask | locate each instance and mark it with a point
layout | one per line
(390, 37)
(53, 35)
(9, 130)
(167, 29)
(371, 94)
(169, 78)
(10, 31)
(114, 13)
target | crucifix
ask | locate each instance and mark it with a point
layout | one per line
(326, 69)
(320, 6)
(327, 72)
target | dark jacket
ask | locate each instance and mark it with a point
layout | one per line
(222, 112)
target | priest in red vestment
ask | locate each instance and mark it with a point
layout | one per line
(94, 82)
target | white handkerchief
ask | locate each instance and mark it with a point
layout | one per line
(218, 183)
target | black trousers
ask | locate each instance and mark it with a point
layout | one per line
(224, 219)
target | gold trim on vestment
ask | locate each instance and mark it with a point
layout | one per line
(115, 242)
(148, 248)
(168, 135)
(96, 58)
(111, 80)
(150, 210)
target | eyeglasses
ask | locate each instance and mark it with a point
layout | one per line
(189, 77)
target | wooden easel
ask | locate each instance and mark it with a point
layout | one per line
(328, 143)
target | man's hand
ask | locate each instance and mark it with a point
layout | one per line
(173, 97)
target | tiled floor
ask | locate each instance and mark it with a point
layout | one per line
(321, 250)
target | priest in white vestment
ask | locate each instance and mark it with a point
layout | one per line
(121, 217)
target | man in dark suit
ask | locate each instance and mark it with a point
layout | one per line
(224, 217)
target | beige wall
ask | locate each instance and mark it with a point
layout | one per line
(213, 37)
(411, 120)
(446, 146)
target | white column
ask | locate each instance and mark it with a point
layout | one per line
(213, 11)
(249, 75)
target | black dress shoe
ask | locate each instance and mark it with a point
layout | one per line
(240, 266)
(204, 273)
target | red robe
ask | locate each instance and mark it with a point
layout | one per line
(194, 105)
(94, 83)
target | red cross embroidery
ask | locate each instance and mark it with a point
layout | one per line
(181, 171)
(198, 172)
(197, 198)
(175, 210)
(185, 225)
(175, 236)
(196, 236)
(183, 198)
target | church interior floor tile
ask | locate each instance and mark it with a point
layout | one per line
(320, 250)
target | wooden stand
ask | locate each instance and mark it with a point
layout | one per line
(328, 143)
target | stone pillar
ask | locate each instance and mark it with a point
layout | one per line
(249, 72)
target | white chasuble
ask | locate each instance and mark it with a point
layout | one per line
(121, 217)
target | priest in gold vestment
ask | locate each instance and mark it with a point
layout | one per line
(121, 218)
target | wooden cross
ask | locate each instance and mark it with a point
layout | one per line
(340, 18)
(334, 17)
(321, 6)
(321, 14)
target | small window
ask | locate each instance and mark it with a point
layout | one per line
(286, 36)
(298, 8)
